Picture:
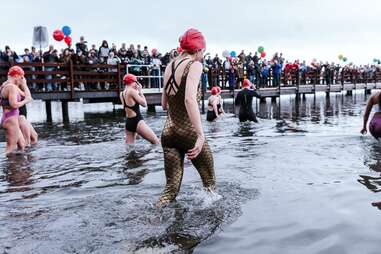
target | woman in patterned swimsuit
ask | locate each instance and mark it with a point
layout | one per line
(183, 134)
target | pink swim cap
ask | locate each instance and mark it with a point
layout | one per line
(16, 71)
(246, 83)
(128, 79)
(214, 90)
(192, 40)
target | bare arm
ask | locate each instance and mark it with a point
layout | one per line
(372, 101)
(24, 87)
(12, 97)
(164, 100)
(121, 98)
(139, 96)
(191, 105)
(164, 97)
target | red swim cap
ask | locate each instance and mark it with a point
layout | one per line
(128, 79)
(154, 51)
(246, 83)
(214, 90)
(192, 40)
(16, 71)
(219, 89)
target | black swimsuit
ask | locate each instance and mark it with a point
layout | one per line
(211, 115)
(132, 123)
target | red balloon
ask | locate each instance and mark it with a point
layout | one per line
(263, 54)
(58, 35)
(68, 40)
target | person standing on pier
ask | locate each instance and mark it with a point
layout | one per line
(131, 97)
(244, 100)
(183, 134)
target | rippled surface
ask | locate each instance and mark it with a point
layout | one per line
(300, 181)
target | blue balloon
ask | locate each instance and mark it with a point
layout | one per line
(233, 54)
(66, 30)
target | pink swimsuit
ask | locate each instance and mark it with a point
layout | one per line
(13, 112)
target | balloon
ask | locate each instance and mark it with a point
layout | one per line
(225, 53)
(263, 54)
(345, 59)
(68, 40)
(233, 54)
(58, 35)
(261, 49)
(66, 30)
(340, 57)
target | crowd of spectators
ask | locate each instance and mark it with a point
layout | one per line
(227, 72)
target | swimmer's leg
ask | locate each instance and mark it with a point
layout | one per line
(130, 137)
(147, 133)
(25, 129)
(205, 166)
(174, 169)
(33, 135)
(253, 118)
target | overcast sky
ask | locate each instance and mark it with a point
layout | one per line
(303, 29)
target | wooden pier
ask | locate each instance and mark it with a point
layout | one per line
(69, 78)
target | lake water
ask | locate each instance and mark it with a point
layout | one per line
(302, 180)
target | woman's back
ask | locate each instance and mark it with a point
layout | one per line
(131, 107)
(175, 78)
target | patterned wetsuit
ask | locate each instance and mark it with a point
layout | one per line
(178, 137)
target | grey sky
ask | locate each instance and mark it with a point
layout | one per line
(299, 29)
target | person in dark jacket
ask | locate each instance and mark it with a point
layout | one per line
(82, 46)
(244, 100)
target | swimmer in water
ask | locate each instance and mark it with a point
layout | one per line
(131, 97)
(183, 134)
(12, 97)
(375, 123)
(29, 133)
(244, 100)
(214, 105)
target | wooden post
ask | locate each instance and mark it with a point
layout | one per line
(48, 107)
(71, 75)
(151, 108)
(118, 78)
(65, 111)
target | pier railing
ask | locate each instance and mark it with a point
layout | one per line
(70, 78)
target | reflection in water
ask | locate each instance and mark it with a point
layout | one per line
(18, 172)
(132, 167)
(373, 183)
(184, 229)
(85, 180)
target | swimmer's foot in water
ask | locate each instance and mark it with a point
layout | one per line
(163, 201)
(377, 204)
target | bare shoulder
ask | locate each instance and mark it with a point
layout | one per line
(375, 98)
(196, 66)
